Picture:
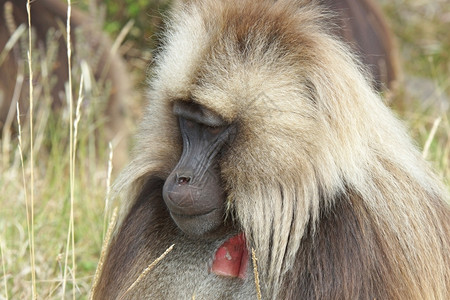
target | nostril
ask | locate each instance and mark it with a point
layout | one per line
(183, 179)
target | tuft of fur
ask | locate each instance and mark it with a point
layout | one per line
(322, 178)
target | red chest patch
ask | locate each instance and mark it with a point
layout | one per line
(231, 259)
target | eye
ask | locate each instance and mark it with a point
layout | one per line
(215, 130)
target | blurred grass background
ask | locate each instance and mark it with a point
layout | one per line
(422, 31)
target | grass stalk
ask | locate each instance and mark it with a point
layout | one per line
(11, 42)
(31, 103)
(71, 230)
(256, 274)
(147, 270)
(6, 133)
(108, 186)
(27, 208)
(427, 145)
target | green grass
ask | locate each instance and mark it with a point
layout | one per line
(422, 29)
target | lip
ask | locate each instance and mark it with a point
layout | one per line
(190, 216)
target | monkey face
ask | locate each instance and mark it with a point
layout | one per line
(193, 192)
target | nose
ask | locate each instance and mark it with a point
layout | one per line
(183, 179)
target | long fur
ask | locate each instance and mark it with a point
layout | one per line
(322, 178)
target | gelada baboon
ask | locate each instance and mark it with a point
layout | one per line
(263, 133)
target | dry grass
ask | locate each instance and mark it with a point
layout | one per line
(256, 274)
(55, 175)
(147, 270)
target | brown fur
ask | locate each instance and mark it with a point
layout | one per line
(322, 178)
(361, 23)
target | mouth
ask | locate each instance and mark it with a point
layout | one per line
(231, 258)
(199, 225)
(190, 216)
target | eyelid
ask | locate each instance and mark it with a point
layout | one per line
(189, 123)
(216, 129)
(197, 113)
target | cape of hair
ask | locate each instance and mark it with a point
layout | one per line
(322, 178)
